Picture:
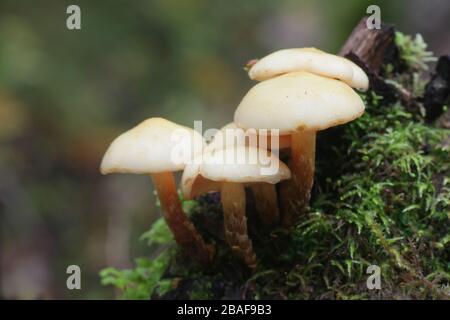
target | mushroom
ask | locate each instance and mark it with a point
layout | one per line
(265, 194)
(159, 147)
(312, 60)
(228, 171)
(299, 104)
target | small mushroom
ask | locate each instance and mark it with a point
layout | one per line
(265, 194)
(311, 60)
(299, 104)
(228, 171)
(159, 147)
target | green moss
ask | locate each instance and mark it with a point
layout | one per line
(140, 282)
(158, 234)
(413, 51)
(383, 200)
(201, 291)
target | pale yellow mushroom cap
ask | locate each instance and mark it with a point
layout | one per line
(232, 164)
(232, 135)
(155, 145)
(298, 101)
(244, 165)
(311, 60)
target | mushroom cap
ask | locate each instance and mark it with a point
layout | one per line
(155, 145)
(312, 60)
(298, 101)
(232, 164)
(231, 134)
(244, 165)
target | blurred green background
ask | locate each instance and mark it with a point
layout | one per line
(64, 96)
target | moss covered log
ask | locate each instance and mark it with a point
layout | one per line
(381, 197)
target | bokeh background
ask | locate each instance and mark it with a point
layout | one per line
(64, 95)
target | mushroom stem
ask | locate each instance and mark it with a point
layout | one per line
(296, 192)
(266, 204)
(182, 228)
(235, 222)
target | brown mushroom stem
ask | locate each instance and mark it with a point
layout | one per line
(265, 196)
(295, 193)
(182, 228)
(235, 222)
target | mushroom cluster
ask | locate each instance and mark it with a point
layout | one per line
(301, 91)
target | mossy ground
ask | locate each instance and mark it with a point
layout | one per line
(381, 197)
